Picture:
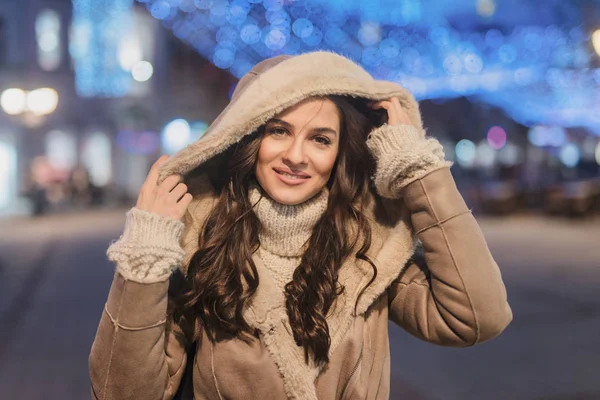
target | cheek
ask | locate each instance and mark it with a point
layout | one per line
(266, 153)
(325, 163)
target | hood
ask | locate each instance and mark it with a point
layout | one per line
(276, 84)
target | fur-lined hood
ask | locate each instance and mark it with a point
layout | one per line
(269, 88)
(276, 84)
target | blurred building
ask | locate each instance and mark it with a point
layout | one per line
(93, 85)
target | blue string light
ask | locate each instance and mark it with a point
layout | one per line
(98, 27)
(538, 73)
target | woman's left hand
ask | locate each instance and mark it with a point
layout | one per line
(396, 114)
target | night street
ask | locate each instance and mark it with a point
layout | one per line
(54, 278)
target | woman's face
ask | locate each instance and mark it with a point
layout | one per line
(298, 151)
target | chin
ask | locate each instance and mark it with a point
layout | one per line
(289, 197)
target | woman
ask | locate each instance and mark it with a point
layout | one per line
(292, 239)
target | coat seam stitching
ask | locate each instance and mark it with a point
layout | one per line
(212, 367)
(455, 264)
(114, 341)
(129, 328)
(443, 221)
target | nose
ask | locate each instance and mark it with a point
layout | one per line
(295, 155)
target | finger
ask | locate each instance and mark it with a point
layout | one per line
(185, 200)
(168, 184)
(178, 192)
(153, 174)
(382, 104)
(183, 205)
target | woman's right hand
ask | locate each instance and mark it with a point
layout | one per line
(169, 199)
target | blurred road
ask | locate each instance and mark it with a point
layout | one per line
(54, 278)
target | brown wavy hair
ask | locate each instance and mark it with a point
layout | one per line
(221, 275)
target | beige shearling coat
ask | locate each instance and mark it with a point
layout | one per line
(456, 298)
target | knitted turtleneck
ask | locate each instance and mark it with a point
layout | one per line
(285, 229)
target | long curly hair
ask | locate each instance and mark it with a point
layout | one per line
(222, 276)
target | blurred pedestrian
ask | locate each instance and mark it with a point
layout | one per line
(82, 192)
(292, 228)
(39, 177)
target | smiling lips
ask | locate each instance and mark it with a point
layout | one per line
(289, 177)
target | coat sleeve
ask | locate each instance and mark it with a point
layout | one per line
(139, 351)
(454, 294)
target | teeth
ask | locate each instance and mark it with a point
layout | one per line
(290, 176)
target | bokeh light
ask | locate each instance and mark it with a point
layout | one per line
(176, 135)
(596, 41)
(496, 137)
(465, 153)
(539, 75)
(510, 155)
(486, 155)
(13, 101)
(42, 101)
(570, 155)
(142, 71)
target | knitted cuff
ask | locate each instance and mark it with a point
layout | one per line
(149, 248)
(403, 155)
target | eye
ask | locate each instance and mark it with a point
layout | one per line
(277, 131)
(322, 140)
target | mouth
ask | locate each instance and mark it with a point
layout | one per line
(290, 176)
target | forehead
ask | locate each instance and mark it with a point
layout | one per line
(313, 111)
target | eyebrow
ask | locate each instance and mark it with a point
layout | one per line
(318, 130)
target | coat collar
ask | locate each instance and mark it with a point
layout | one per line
(393, 242)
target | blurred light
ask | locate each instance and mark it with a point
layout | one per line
(596, 41)
(452, 64)
(465, 153)
(473, 63)
(61, 149)
(389, 48)
(48, 41)
(176, 135)
(557, 137)
(494, 38)
(96, 156)
(48, 32)
(250, 34)
(486, 155)
(8, 160)
(486, 8)
(97, 32)
(496, 137)
(42, 101)
(369, 34)
(570, 155)
(224, 57)
(302, 27)
(160, 9)
(142, 71)
(524, 76)
(507, 53)
(598, 153)
(510, 155)
(275, 38)
(500, 66)
(13, 101)
(130, 53)
(314, 39)
(545, 136)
